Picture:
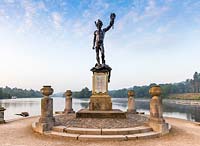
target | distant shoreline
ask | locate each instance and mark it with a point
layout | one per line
(185, 96)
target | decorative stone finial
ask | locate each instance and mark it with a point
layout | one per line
(2, 108)
(155, 90)
(68, 93)
(131, 93)
(46, 90)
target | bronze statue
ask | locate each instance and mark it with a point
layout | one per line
(99, 38)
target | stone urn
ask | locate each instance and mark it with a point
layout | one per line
(2, 108)
(46, 91)
(155, 91)
(68, 93)
(131, 93)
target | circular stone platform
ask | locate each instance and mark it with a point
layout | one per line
(134, 126)
(70, 120)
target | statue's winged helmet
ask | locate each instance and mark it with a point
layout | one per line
(98, 22)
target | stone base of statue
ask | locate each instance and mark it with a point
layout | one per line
(100, 105)
(100, 100)
(114, 113)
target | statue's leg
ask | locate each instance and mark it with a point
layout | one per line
(103, 54)
(97, 55)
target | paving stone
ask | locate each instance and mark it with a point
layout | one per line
(70, 120)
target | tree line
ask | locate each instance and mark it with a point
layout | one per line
(141, 91)
(7, 93)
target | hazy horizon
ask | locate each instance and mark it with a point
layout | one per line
(47, 42)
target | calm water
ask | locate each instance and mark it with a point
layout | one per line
(32, 105)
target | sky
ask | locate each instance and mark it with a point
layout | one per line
(49, 42)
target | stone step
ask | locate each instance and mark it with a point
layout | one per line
(102, 137)
(62, 135)
(124, 131)
(89, 131)
(146, 135)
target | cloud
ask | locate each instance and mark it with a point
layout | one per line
(57, 19)
(146, 16)
(9, 1)
(166, 27)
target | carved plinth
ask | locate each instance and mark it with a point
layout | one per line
(100, 100)
(68, 102)
(131, 102)
(2, 121)
(156, 120)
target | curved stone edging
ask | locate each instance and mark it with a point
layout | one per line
(102, 131)
(140, 132)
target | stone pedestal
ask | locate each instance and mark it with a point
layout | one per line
(46, 121)
(100, 105)
(68, 102)
(156, 120)
(131, 102)
(100, 100)
(2, 121)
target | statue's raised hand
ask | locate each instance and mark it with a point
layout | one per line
(112, 16)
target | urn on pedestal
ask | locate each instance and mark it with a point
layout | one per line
(131, 102)
(156, 120)
(68, 102)
(46, 121)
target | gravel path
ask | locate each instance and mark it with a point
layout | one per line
(132, 120)
(19, 133)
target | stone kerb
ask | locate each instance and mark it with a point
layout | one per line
(156, 120)
(131, 102)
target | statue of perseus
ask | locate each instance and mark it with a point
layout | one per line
(99, 34)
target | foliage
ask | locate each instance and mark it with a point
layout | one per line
(7, 92)
(142, 91)
(84, 93)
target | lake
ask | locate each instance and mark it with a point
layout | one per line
(32, 105)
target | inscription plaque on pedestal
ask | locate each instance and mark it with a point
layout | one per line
(100, 83)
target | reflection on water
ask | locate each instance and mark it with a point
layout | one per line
(32, 105)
